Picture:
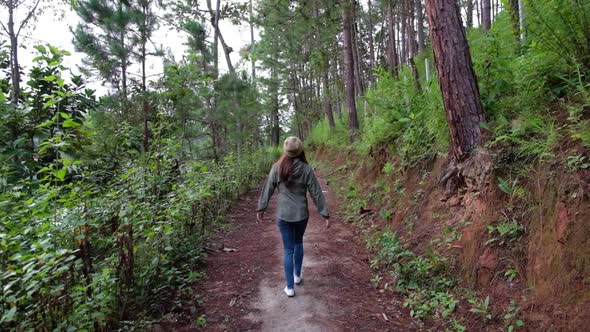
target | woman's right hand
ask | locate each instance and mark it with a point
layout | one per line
(327, 223)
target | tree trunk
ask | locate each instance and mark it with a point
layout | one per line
(486, 12)
(274, 115)
(420, 27)
(514, 13)
(252, 62)
(360, 89)
(412, 43)
(383, 42)
(215, 37)
(469, 13)
(215, 22)
(326, 96)
(521, 16)
(411, 32)
(392, 57)
(335, 87)
(457, 79)
(404, 33)
(14, 66)
(144, 40)
(371, 41)
(353, 123)
(478, 11)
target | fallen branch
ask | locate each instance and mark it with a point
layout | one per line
(343, 167)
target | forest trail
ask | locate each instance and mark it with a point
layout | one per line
(243, 290)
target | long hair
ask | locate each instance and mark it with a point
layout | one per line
(285, 165)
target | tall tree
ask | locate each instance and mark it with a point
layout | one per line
(360, 89)
(420, 27)
(514, 16)
(215, 17)
(107, 36)
(353, 123)
(371, 37)
(412, 43)
(469, 13)
(486, 15)
(13, 30)
(457, 79)
(252, 56)
(392, 56)
(320, 24)
(146, 24)
(521, 21)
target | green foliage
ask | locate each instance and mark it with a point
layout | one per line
(482, 308)
(505, 232)
(511, 274)
(424, 279)
(577, 162)
(512, 189)
(201, 322)
(410, 122)
(561, 27)
(90, 227)
(427, 304)
(322, 135)
(511, 318)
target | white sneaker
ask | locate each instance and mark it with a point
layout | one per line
(289, 291)
(299, 278)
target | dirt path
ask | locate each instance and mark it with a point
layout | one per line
(243, 290)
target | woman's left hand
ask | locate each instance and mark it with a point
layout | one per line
(260, 217)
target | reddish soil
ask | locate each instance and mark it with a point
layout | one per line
(243, 289)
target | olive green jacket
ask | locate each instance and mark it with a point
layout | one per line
(293, 199)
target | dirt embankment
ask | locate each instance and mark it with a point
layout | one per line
(543, 264)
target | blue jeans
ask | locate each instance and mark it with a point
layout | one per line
(292, 234)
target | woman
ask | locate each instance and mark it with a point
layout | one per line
(293, 176)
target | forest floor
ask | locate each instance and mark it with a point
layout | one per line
(243, 289)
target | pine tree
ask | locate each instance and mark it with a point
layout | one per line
(146, 23)
(457, 79)
(349, 79)
(107, 36)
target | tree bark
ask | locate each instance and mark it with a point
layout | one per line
(371, 40)
(412, 43)
(420, 27)
(486, 12)
(469, 13)
(326, 96)
(144, 40)
(478, 11)
(353, 123)
(457, 78)
(404, 33)
(252, 62)
(123, 60)
(392, 57)
(360, 88)
(521, 17)
(514, 16)
(215, 21)
(13, 35)
(274, 115)
(14, 66)
(411, 32)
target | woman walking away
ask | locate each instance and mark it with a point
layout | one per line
(293, 176)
